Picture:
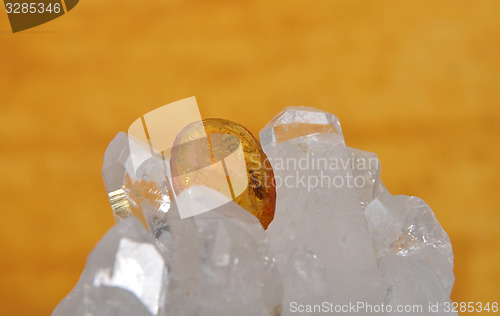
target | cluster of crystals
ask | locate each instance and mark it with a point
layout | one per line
(340, 234)
(337, 236)
(215, 263)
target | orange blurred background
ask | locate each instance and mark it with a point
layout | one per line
(417, 82)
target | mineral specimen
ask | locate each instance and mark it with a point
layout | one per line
(338, 236)
(125, 275)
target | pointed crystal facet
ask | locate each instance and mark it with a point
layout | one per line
(301, 121)
(129, 188)
(125, 275)
(221, 264)
(406, 226)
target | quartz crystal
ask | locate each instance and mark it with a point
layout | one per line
(337, 231)
(299, 122)
(338, 236)
(125, 275)
(214, 263)
(414, 252)
(129, 189)
(319, 214)
(221, 263)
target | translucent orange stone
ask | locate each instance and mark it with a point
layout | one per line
(225, 156)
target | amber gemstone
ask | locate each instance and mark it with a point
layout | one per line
(225, 156)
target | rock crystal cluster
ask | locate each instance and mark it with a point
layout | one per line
(339, 241)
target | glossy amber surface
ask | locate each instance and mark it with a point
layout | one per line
(225, 156)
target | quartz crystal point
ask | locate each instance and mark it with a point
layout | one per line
(129, 189)
(414, 252)
(221, 263)
(125, 275)
(297, 122)
(319, 226)
(337, 232)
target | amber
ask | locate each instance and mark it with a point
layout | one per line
(226, 157)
